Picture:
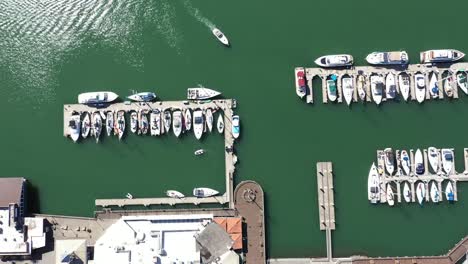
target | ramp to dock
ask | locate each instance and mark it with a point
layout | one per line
(326, 202)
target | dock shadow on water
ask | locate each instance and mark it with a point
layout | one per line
(195, 12)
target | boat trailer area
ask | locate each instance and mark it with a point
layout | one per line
(367, 71)
(226, 105)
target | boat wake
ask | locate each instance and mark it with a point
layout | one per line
(197, 14)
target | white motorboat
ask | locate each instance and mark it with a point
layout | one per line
(143, 97)
(134, 122)
(120, 124)
(433, 86)
(187, 119)
(389, 161)
(143, 122)
(407, 192)
(198, 123)
(109, 123)
(377, 87)
(442, 55)
(448, 85)
(235, 126)
(390, 195)
(155, 121)
(433, 155)
(373, 185)
(435, 194)
(74, 127)
(388, 58)
(129, 196)
(220, 123)
(86, 125)
(167, 119)
(177, 122)
(199, 152)
(421, 192)
(301, 86)
(361, 87)
(420, 82)
(348, 89)
(404, 84)
(405, 162)
(174, 194)
(97, 125)
(97, 97)
(204, 192)
(334, 60)
(390, 86)
(220, 36)
(209, 119)
(462, 82)
(447, 160)
(201, 93)
(331, 88)
(419, 162)
(449, 193)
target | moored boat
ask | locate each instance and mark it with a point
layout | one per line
(198, 123)
(143, 122)
(435, 194)
(86, 125)
(377, 87)
(389, 161)
(301, 86)
(220, 36)
(442, 55)
(187, 119)
(448, 85)
(449, 193)
(373, 185)
(420, 192)
(143, 97)
(404, 84)
(339, 60)
(419, 162)
(405, 162)
(177, 122)
(433, 155)
(220, 123)
(348, 89)
(97, 125)
(388, 58)
(361, 87)
(390, 195)
(209, 119)
(201, 93)
(155, 122)
(110, 123)
(97, 97)
(420, 82)
(174, 194)
(134, 122)
(447, 160)
(199, 152)
(390, 86)
(462, 81)
(235, 126)
(167, 119)
(331, 88)
(407, 192)
(204, 192)
(120, 124)
(433, 85)
(74, 127)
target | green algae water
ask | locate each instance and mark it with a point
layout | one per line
(50, 51)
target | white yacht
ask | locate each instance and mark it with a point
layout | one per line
(120, 124)
(209, 119)
(204, 192)
(97, 97)
(167, 119)
(331, 89)
(361, 87)
(407, 192)
(174, 194)
(97, 125)
(388, 58)
(404, 84)
(421, 192)
(433, 155)
(109, 123)
(405, 162)
(420, 82)
(74, 127)
(448, 86)
(220, 36)
(143, 97)
(373, 183)
(187, 119)
(143, 122)
(334, 60)
(442, 55)
(134, 122)
(447, 160)
(419, 162)
(390, 195)
(86, 125)
(390, 86)
(177, 122)
(389, 161)
(198, 123)
(377, 87)
(462, 82)
(433, 86)
(155, 122)
(348, 89)
(201, 93)
(220, 123)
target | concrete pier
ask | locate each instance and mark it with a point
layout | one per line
(326, 202)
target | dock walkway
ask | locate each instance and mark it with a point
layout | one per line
(326, 202)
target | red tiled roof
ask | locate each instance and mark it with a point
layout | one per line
(237, 241)
(234, 225)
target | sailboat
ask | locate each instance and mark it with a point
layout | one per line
(331, 88)
(86, 125)
(390, 195)
(109, 123)
(201, 93)
(134, 122)
(361, 87)
(220, 124)
(167, 120)
(177, 122)
(433, 157)
(373, 182)
(421, 192)
(187, 119)
(204, 192)
(120, 124)
(198, 123)
(389, 161)
(174, 194)
(420, 82)
(419, 162)
(448, 85)
(407, 192)
(377, 88)
(462, 82)
(449, 194)
(390, 86)
(447, 160)
(405, 162)
(155, 121)
(404, 83)
(334, 60)
(348, 89)
(74, 127)
(209, 119)
(435, 195)
(433, 86)
(143, 97)
(97, 125)
(220, 36)
(442, 55)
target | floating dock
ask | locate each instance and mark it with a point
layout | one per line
(326, 202)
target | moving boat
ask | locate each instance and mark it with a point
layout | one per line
(435, 195)
(199, 152)
(97, 125)
(420, 87)
(220, 124)
(301, 86)
(462, 82)
(177, 122)
(120, 125)
(348, 89)
(390, 195)
(155, 121)
(143, 122)
(373, 182)
(220, 36)
(209, 119)
(404, 83)
(390, 86)
(201, 93)
(361, 87)
(433, 86)
(448, 87)
(188, 119)
(331, 88)
(442, 55)
(449, 194)
(377, 88)
(389, 161)
(405, 162)
(109, 123)
(421, 192)
(174, 194)
(407, 192)
(388, 58)
(235, 126)
(198, 123)
(204, 192)
(433, 156)
(134, 122)
(447, 160)
(74, 127)
(167, 120)
(419, 162)
(143, 97)
(97, 97)
(86, 125)
(334, 60)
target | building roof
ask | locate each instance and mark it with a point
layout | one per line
(10, 191)
(213, 242)
(233, 226)
(70, 251)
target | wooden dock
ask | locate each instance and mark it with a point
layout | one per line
(326, 202)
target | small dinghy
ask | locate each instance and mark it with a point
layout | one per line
(220, 123)
(407, 193)
(74, 127)
(433, 86)
(377, 88)
(448, 86)
(340, 60)
(421, 192)
(361, 87)
(134, 122)
(97, 125)
(198, 123)
(220, 36)
(390, 86)
(420, 82)
(109, 123)
(199, 152)
(390, 195)
(462, 82)
(120, 125)
(143, 97)
(433, 157)
(143, 122)
(301, 87)
(404, 83)
(449, 194)
(155, 121)
(235, 126)
(435, 195)
(447, 160)
(201, 93)
(187, 119)
(331, 88)
(174, 194)
(389, 161)
(167, 120)
(177, 122)
(86, 125)
(209, 119)
(373, 182)
(405, 162)
(419, 162)
(204, 192)
(442, 55)
(129, 196)
(348, 89)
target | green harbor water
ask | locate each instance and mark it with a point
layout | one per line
(50, 51)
